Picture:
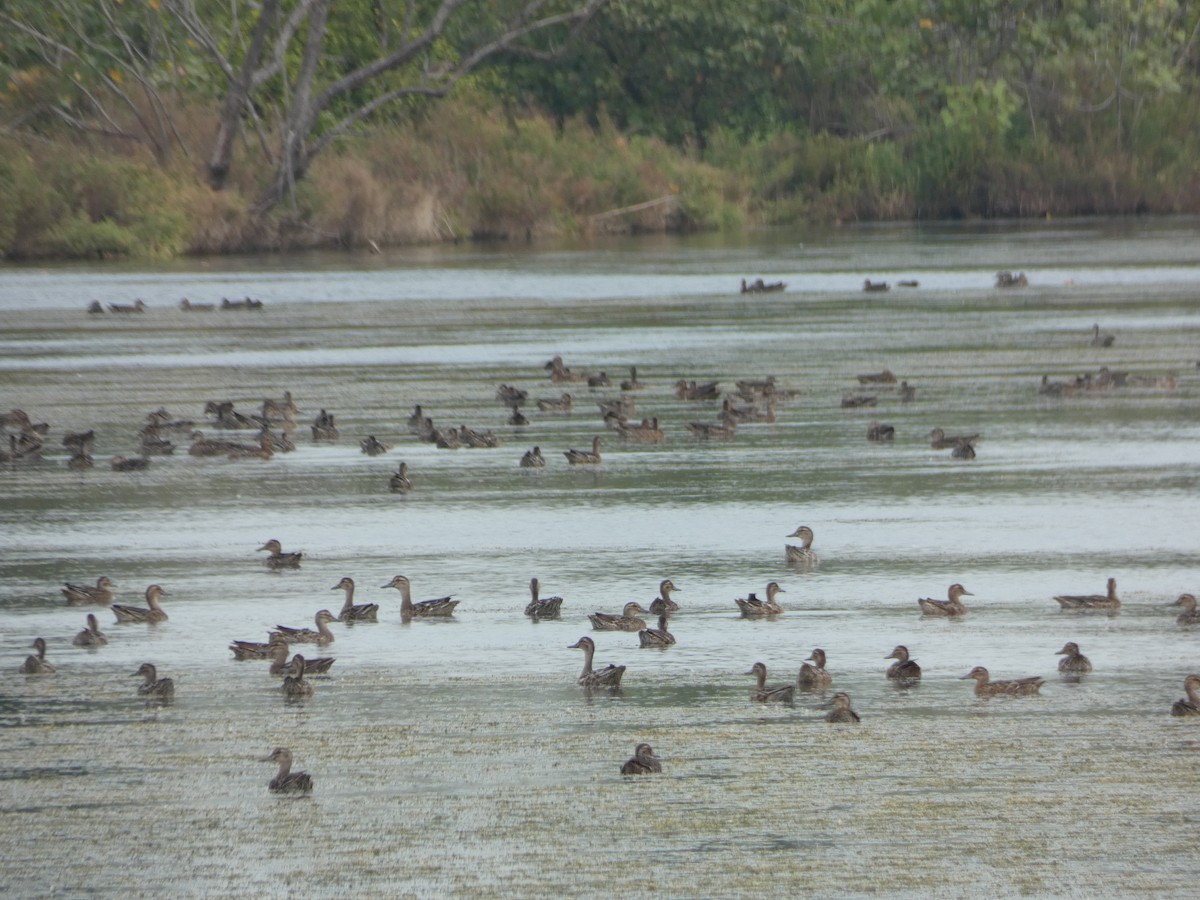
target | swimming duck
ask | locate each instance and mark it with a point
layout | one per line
(440, 607)
(36, 664)
(188, 306)
(264, 449)
(363, 612)
(243, 650)
(908, 393)
(321, 636)
(154, 444)
(632, 383)
(1073, 662)
(939, 440)
(287, 781)
(562, 404)
(704, 430)
(400, 483)
(878, 431)
(277, 559)
(782, 693)
(758, 286)
(854, 401)
(560, 373)
(884, 377)
(152, 686)
(129, 463)
(963, 450)
(1017, 687)
(647, 432)
(94, 307)
(643, 762)
(136, 307)
(1189, 706)
(152, 615)
(90, 636)
(627, 621)
(752, 607)
(324, 428)
(583, 457)
(225, 416)
(280, 664)
(511, 396)
(1108, 602)
(542, 607)
(80, 441)
(656, 637)
(903, 669)
(280, 412)
(294, 686)
(517, 418)
(1008, 280)
(1101, 338)
(804, 555)
(691, 390)
(416, 422)
(609, 676)
(813, 676)
(872, 287)
(951, 607)
(601, 380)
(841, 711)
(83, 594)
(372, 446)
(1189, 616)
(533, 459)
(244, 304)
(663, 604)
(202, 446)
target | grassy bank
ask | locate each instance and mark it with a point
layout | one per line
(465, 171)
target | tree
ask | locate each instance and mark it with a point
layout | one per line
(423, 49)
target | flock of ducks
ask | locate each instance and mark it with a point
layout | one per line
(274, 421)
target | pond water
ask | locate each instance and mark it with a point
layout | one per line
(460, 757)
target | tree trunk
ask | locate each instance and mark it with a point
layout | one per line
(238, 96)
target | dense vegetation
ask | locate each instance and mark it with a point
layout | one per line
(171, 126)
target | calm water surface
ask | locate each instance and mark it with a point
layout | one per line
(460, 758)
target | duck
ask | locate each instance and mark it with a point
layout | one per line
(601, 380)
(1102, 338)
(813, 676)
(136, 307)
(1007, 279)
(1108, 602)
(939, 440)
(281, 665)
(324, 428)
(952, 607)
(533, 459)
(632, 383)
(609, 676)
(691, 390)
(1016, 687)
(1189, 706)
(1073, 662)
(663, 604)
(841, 711)
(627, 620)
(542, 607)
(36, 664)
(908, 393)
(320, 637)
(294, 686)
(878, 431)
(643, 762)
(280, 412)
(264, 449)
(286, 781)
(518, 418)
(202, 446)
(752, 607)
(152, 686)
(441, 607)
(647, 432)
(884, 377)
(84, 594)
(583, 457)
(804, 555)
(225, 416)
(243, 650)
(903, 669)
(129, 463)
(363, 612)
(781, 693)
(151, 615)
(854, 401)
(277, 559)
(400, 483)
(872, 287)
(560, 372)
(90, 636)
(1189, 616)
(656, 637)
(963, 450)
(511, 396)
(562, 404)
(372, 446)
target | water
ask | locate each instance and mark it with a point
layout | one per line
(460, 758)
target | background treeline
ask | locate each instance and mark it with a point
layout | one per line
(658, 115)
